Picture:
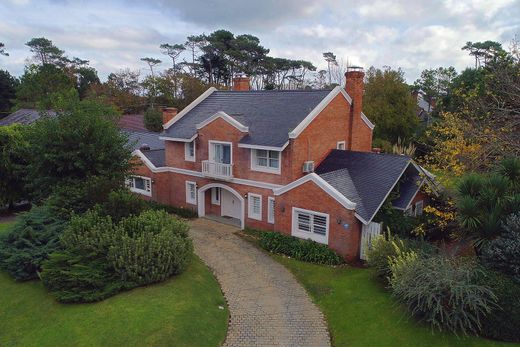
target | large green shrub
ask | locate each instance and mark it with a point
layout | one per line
(101, 257)
(153, 120)
(385, 247)
(34, 236)
(503, 253)
(503, 322)
(442, 291)
(150, 248)
(179, 211)
(121, 204)
(304, 250)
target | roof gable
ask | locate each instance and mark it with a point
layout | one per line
(268, 115)
(223, 115)
(363, 177)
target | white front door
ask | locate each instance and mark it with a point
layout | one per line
(230, 205)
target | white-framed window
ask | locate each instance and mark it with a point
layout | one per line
(255, 206)
(191, 192)
(220, 152)
(340, 145)
(419, 208)
(139, 184)
(189, 151)
(310, 225)
(270, 210)
(408, 211)
(215, 196)
(266, 161)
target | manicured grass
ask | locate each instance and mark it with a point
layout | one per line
(183, 311)
(361, 313)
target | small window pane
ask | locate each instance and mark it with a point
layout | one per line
(261, 153)
(274, 154)
(304, 222)
(139, 183)
(320, 225)
(274, 163)
(261, 161)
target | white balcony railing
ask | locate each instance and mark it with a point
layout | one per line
(217, 170)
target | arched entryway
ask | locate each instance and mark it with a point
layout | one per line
(231, 202)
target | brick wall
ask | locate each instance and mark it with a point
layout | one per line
(311, 197)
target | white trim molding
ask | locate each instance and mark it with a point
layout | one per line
(147, 182)
(241, 181)
(223, 115)
(201, 208)
(320, 182)
(250, 207)
(343, 143)
(267, 148)
(317, 110)
(178, 139)
(189, 107)
(367, 121)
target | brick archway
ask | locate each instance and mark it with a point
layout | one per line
(201, 201)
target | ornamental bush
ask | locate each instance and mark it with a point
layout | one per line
(30, 241)
(304, 250)
(503, 322)
(150, 248)
(443, 292)
(121, 204)
(385, 247)
(503, 253)
(101, 258)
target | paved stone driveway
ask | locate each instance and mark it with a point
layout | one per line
(268, 307)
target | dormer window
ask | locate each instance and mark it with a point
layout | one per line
(189, 151)
(265, 160)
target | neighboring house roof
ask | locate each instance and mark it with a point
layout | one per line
(155, 156)
(24, 116)
(134, 122)
(268, 115)
(139, 138)
(364, 178)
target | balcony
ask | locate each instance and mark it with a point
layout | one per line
(217, 170)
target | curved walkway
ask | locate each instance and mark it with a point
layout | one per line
(268, 307)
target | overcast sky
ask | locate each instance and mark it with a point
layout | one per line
(114, 34)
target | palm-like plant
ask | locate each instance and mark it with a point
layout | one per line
(485, 201)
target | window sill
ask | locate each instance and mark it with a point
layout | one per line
(140, 191)
(266, 170)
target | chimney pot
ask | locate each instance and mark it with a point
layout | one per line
(241, 83)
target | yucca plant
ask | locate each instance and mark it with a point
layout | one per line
(485, 201)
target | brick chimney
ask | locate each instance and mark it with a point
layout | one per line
(354, 86)
(168, 113)
(241, 83)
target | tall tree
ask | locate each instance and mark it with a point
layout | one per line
(435, 83)
(152, 62)
(194, 44)
(45, 52)
(2, 49)
(388, 103)
(484, 52)
(8, 86)
(173, 51)
(330, 58)
(12, 162)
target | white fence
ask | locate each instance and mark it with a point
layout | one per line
(368, 233)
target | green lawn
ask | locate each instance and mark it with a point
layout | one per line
(361, 313)
(183, 311)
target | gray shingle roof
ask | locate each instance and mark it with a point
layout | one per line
(137, 139)
(24, 116)
(362, 177)
(155, 156)
(270, 115)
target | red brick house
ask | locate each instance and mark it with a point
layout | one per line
(296, 162)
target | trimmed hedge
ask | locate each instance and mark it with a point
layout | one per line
(304, 250)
